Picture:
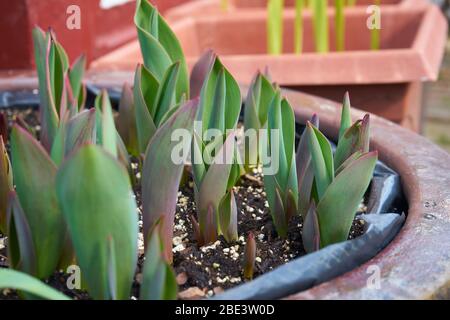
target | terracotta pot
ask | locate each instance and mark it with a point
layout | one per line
(388, 82)
(416, 264)
(208, 7)
(103, 27)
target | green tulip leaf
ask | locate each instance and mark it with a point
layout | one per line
(159, 45)
(346, 119)
(336, 209)
(98, 204)
(158, 279)
(21, 253)
(165, 99)
(200, 72)
(228, 217)
(305, 171)
(76, 74)
(159, 199)
(126, 121)
(6, 184)
(48, 115)
(348, 144)
(321, 157)
(311, 230)
(212, 93)
(11, 279)
(34, 177)
(145, 90)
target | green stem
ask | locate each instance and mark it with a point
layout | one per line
(375, 33)
(224, 5)
(340, 25)
(321, 25)
(275, 26)
(298, 32)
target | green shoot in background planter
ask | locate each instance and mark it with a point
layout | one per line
(375, 32)
(275, 26)
(224, 5)
(320, 25)
(298, 27)
(340, 25)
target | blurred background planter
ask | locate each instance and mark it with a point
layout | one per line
(105, 25)
(207, 7)
(388, 82)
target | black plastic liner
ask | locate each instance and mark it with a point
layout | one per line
(19, 99)
(386, 208)
(30, 99)
(386, 192)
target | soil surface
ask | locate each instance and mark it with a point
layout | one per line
(208, 270)
(219, 266)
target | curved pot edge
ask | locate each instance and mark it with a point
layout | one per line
(416, 264)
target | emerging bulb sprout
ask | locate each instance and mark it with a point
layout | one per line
(249, 257)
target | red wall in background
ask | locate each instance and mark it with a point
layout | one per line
(102, 30)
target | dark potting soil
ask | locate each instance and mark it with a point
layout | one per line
(29, 115)
(208, 270)
(3, 253)
(219, 266)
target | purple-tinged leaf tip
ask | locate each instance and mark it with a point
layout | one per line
(200, 72)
